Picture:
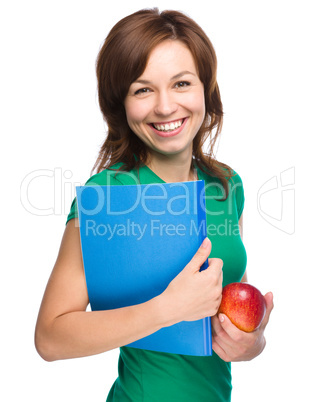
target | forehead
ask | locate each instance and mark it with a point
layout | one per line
(172, 56)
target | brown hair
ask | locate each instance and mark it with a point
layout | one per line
(123, 58)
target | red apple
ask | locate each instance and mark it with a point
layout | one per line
(244, 305)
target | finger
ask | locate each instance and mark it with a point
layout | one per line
(269, 299)
(220, 351)
(215, 264)
(200, 256)
(231, 331)
(216, 327)
(220, 335)
(221, 341)
(237, 344)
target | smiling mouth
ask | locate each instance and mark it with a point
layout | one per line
(168, 127)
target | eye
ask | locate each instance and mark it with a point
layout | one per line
(182, 84)
(142, 91)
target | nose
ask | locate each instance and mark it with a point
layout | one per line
(165, 104)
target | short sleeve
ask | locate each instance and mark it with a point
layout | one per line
(103, 178)
(238, 190)
(73, 211)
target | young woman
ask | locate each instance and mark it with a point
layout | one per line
(160, 99)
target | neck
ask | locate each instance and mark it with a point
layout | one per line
(171, 169)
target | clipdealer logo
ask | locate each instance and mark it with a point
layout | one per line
(54, 182)
(275, 198)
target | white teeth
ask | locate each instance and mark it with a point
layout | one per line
(169, 126)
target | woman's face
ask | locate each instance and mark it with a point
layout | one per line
(165, 106)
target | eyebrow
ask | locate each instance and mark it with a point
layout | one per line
(175, 77)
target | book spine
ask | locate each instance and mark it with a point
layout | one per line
(207, 336)
(201, 214)
(202, 234)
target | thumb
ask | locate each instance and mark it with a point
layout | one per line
(269, 299)
(200, 256)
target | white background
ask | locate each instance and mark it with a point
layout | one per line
(51, 130)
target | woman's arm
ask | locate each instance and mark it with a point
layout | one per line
(232, 344)
(65, 330)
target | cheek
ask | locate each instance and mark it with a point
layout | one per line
(199, 103)
(135, 113)
(199, 111)
(195, 102)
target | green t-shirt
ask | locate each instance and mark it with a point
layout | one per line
(146, 376)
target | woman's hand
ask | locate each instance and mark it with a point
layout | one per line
(195, 294)
(233, 345)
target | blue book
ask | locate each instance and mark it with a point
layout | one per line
(135, 239)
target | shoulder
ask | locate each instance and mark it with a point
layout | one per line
(229, 174)
(114, 176)
(235, 179)
(235, 186)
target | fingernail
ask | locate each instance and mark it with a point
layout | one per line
(221, 318)
(205, 242)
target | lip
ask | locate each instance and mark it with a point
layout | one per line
(170, 133)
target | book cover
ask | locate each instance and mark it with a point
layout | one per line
(135, 239)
